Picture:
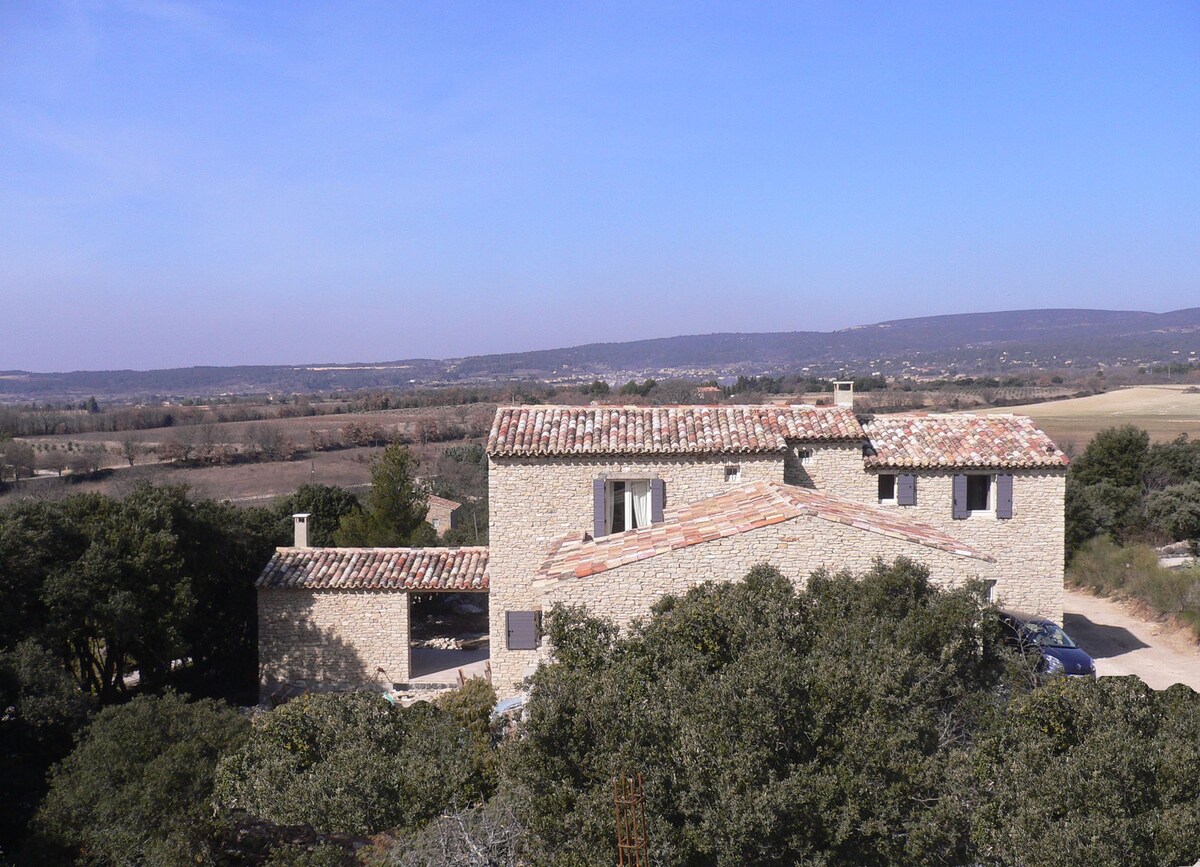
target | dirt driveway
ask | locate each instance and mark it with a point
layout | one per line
(1122, 643)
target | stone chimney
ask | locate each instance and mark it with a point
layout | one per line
(300, 522)
(843, 393)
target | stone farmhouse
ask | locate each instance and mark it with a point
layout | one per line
(612, 507)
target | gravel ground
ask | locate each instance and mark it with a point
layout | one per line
(1121, 642)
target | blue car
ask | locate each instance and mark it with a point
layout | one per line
(1058, 653)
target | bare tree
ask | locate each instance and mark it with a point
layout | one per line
(485, 836)
(130, 449)
(16, 459)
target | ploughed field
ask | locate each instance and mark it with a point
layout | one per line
(1165, 411)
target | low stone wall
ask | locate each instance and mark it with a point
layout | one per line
(332, 639)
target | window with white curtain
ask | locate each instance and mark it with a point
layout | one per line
(628, 505)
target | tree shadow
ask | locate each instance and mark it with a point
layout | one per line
(296, 655)
(1101, 641)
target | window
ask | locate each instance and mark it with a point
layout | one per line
(887, 488)
(628, 505)
(733, 474)
(619, 505)
(979, 493)
(804, 456)
(524, 629)
(983, 493)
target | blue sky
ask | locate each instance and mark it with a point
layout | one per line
(225, 183)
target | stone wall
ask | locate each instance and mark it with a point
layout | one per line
(1028, 547)
(832, 468)
(533, 503)
(332, 639)
(797, 548)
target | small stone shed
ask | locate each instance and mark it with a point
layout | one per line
(338, 618)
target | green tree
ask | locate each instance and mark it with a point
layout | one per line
(41, 711)
(1104, 773)
(1117, 455)
(327, 504)
(395, 509)
(140, 584)
(1173, 463)
(772, 726)
(1175, 511)
(1100, 509)
(136, 789)
(352, 762)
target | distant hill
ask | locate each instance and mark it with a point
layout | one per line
(975, 341)
(963, 343)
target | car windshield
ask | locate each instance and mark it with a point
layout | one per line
(1047, 635)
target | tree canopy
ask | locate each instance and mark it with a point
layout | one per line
(1126, 488)
(136, 789)
(860, 721)
(137, 586)
(395, 509)
(353, 763)
(327, 504)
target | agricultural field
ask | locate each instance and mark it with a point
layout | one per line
(254, 461)
(1165, 411)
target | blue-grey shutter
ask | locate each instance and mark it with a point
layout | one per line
(960, 497)
(522, 630)
(599, 512)
(906, 489)
(657, 492)
(1004, 505)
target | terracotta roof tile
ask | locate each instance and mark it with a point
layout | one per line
(612, 430)
(742, 509)
(435, 500)
(377, 569)
(958, 441)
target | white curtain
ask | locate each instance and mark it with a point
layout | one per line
(639, 492)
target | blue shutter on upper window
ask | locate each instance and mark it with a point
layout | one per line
(1004, 495)
(960, 497)
(657, 494)
(599, 512)
(906, 489)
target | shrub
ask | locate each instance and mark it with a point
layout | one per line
(771, 726)
(1092, 772)
(1107, 568)
(40, 711)
(352, 763)
(471, 707)
(136, 789)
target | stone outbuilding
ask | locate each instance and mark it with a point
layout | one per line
(335, 618)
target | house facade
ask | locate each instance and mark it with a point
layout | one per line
(726, 487)
(612, 507)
